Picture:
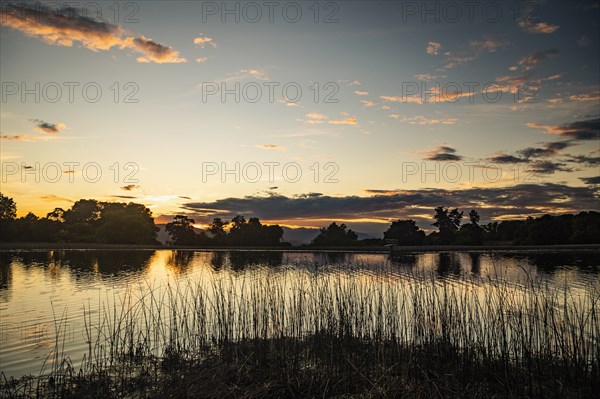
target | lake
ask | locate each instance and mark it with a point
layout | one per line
(86, 295)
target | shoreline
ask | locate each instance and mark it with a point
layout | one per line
(396, 249)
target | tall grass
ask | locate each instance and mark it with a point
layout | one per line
(344, 332)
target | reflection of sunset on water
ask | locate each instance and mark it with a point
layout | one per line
(42, 289)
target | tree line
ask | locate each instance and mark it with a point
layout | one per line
(583, 228)
(87, 221)
(91, 221)
(240, 232)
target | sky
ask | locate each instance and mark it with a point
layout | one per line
(301, 113)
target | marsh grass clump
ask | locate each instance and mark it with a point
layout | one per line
(300, 333)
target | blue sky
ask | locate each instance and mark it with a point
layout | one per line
(371, 140)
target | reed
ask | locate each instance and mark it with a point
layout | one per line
(306, 333)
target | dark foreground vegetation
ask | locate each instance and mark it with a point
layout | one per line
(317, 367)
(94, 222)
(307, 335)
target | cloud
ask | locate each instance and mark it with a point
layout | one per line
(442, 153)
(385, 205)
(426, 76)
(27, 138)
(315, 118)
(347, 121)
(489, 45)
(506, 159)
(532, 26)
(54, 198)
(205, 41)
(535, 58)
(422, 120)
(153, 52)
(403, 99)
(547, 167)
(255, 73)
(454, 60)
(61, 27)
(581, 130)
(246, 74)
(433, 95)
(201, 60)
(130, 187)
(433, 48)
(585, 160)
(49, 128)
(590, 180)
(583, 97)
(548, 150)
(361, 93)
(271, 147)
(66, 26)
(367, 103)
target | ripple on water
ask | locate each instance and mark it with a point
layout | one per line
(62, 288)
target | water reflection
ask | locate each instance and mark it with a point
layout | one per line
(34, 284)
(6, 277)
(404, 261)
(179, 261)
(475, 262)
(448, 263)
(240, 260)
(218, 259)
(549, 262)
(333, 258)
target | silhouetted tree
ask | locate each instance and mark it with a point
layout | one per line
(406, 232)
(447, 223)
(8, 213)
(8, 208)
(335, 235)
(56, 215)
(253, 232)
(491, 231)
(217, 229)
(586, 228)
(471, 233)
(474, 217)
(126, 225)
(181, 231)
(83, 211)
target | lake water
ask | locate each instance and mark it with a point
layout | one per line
(82, 292)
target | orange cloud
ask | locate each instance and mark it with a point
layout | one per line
(205, 41)
(48, 128)
(347, 121)
(27, 138)
(422, 120)
(537, 27)
(66, 26)
(433, 48)
(594, 96)
(152, 51)
(271, 147)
